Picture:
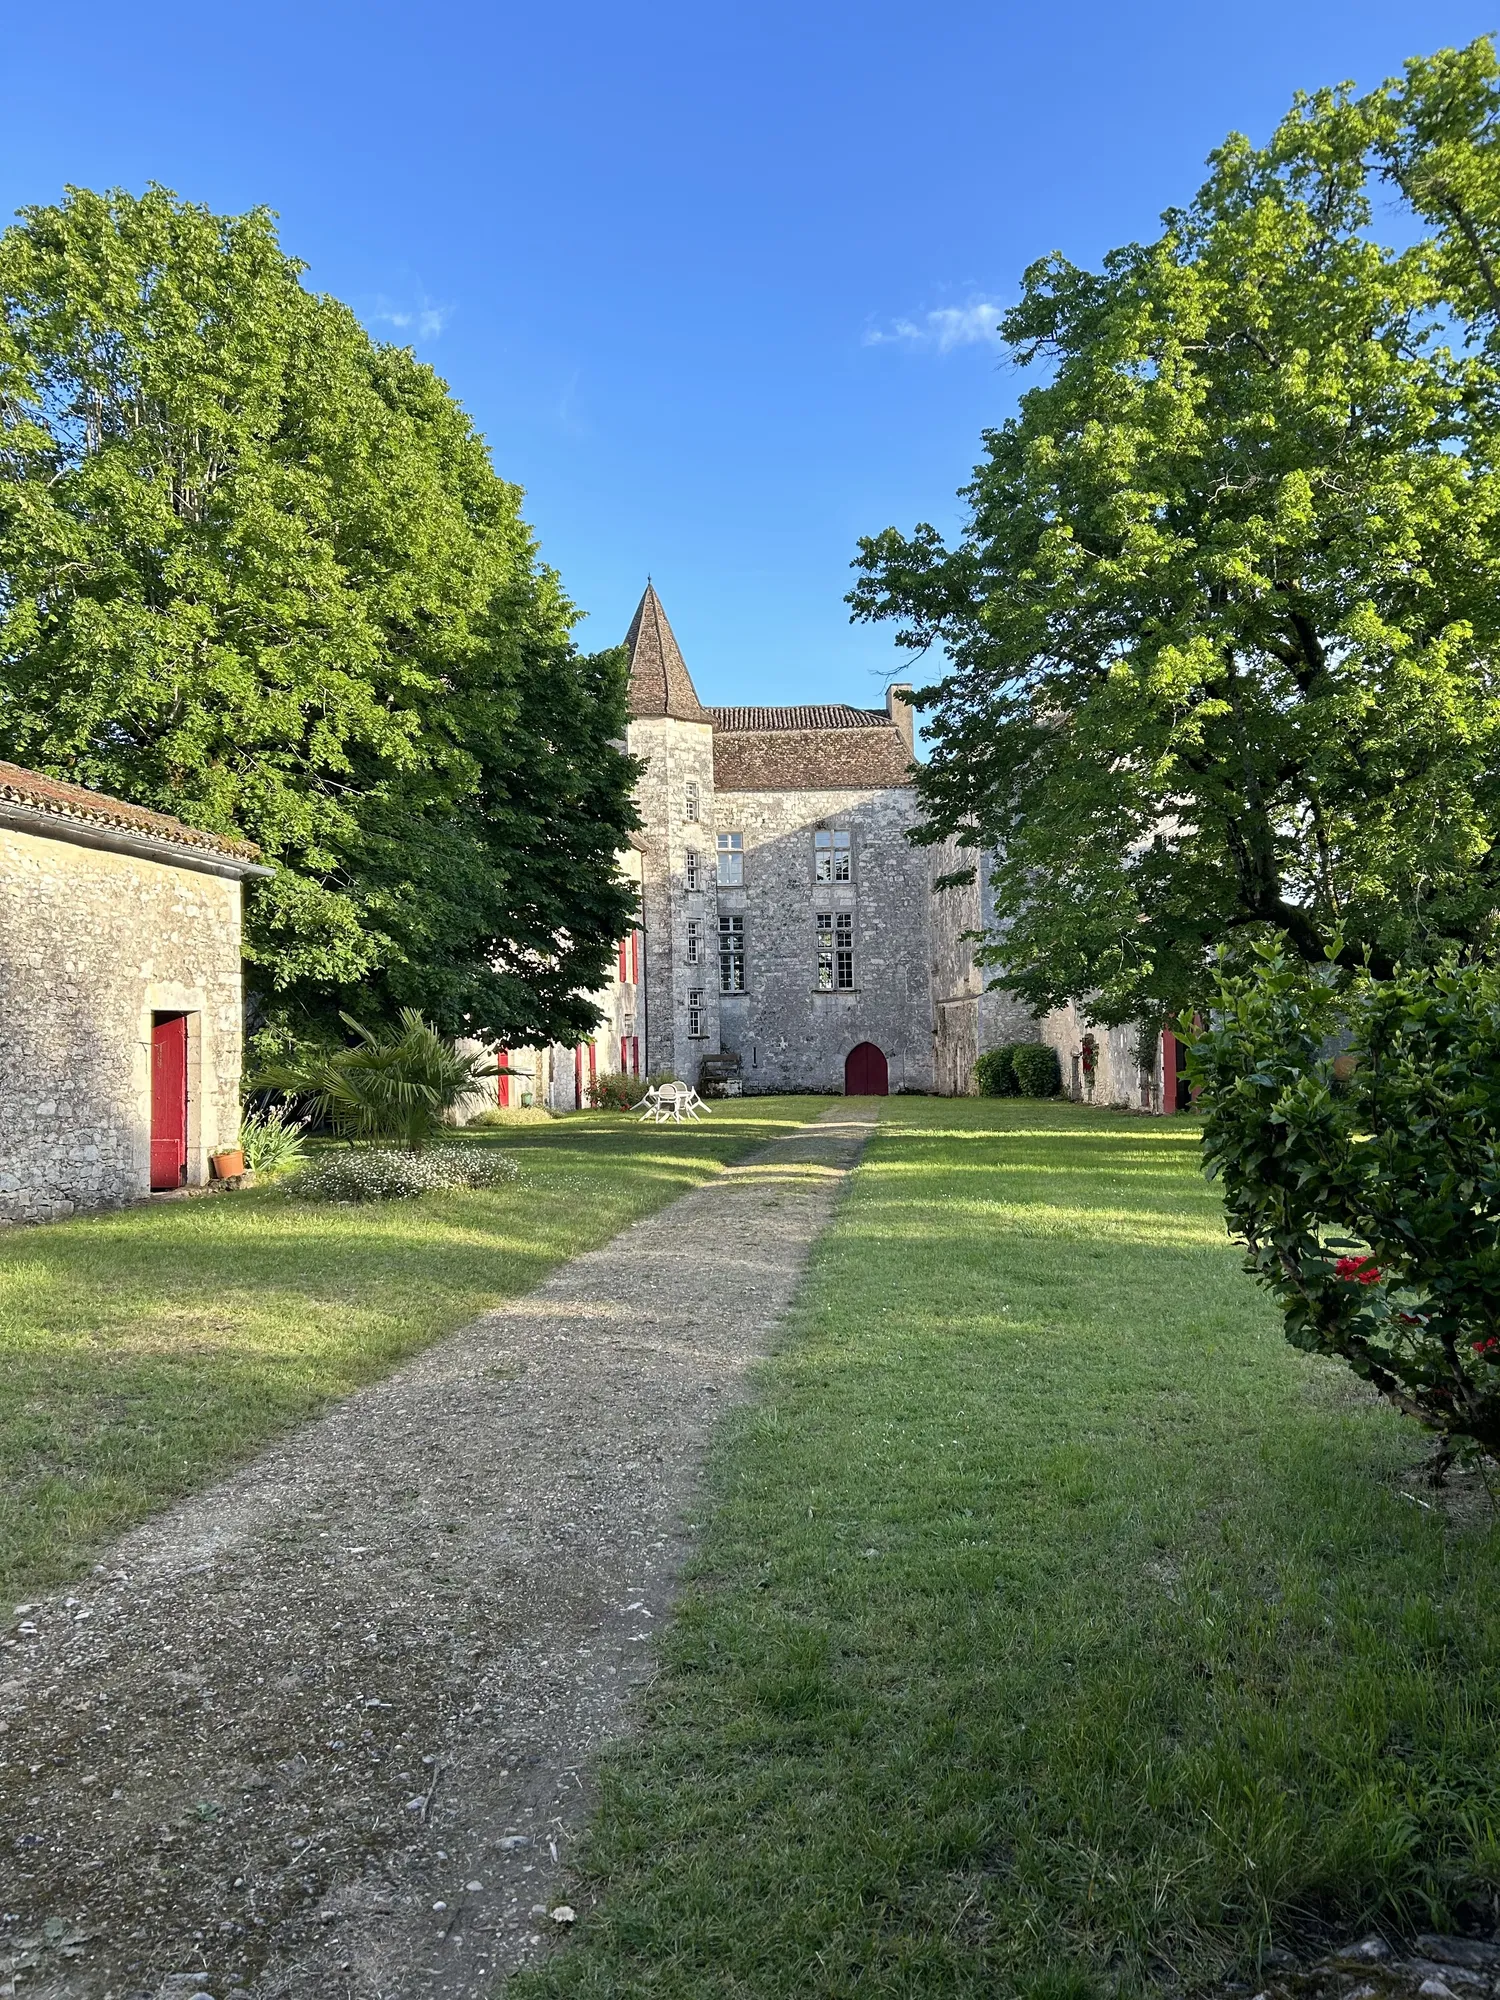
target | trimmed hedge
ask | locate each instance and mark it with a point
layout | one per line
(1019, 1069)
(1038, 1072)
(995, 1074)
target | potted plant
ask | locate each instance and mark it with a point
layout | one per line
(228, 1165)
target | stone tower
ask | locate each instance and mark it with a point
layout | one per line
(672, 734)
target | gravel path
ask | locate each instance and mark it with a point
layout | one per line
(325, 1730)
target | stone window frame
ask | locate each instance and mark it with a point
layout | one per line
(833, 854)
(732, 954)
(692, 871)
(694, 940)
(731, 856)
(696, 1009)
(692, 800)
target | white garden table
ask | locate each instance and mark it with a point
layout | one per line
(674, 1101)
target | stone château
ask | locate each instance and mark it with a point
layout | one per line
(786, 918)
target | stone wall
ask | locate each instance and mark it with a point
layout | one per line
(1118, 1081)
(957, 982)
(676, 754)
(788, 1035)
(92, 943)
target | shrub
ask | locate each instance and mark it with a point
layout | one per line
(272, 1141)
(615, 1091)
(397, 1084)
(1037, 1070)
(384, 1173)
(1355, 1123)
(995, 1073)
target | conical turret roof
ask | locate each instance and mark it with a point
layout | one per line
(660, 683)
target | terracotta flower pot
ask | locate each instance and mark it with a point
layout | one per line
(227, 1166)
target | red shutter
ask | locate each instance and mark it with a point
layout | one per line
(622, 961)
(502, 1094)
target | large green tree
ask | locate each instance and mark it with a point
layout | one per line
(1221, 630)
(257, 570)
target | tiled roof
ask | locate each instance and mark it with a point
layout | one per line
(660, 683)
(823, 715)
(827, 746)
(77, 806)
(866, 755)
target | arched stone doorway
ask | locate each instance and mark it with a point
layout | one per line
(865, 1072)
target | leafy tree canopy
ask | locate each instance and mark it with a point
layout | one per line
(1221, 630)
(258, 570)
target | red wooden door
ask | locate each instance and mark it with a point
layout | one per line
(169, 1101)
(865, 1072)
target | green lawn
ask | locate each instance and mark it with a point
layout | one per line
(143, 1352)
(1057, 1627)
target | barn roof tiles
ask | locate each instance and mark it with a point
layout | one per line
(53, 805)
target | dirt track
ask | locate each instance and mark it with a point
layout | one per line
(325, 1729)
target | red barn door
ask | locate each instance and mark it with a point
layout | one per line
(169, 1100)
(865, 1072)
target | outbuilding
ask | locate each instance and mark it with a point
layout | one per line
(120, 998)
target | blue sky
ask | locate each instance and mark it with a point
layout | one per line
(716, 282)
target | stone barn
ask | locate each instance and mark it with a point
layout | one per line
(120, 998)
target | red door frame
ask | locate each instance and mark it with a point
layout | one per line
(866, 1072)
(169, 1101)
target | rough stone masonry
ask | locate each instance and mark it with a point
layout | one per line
(110, 916)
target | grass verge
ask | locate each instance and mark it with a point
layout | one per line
(145, 1351)
(1057, 1628)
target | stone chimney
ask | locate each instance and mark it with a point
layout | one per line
(898, 708)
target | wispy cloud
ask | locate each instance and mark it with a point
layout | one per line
(973, 325)
(426, 320)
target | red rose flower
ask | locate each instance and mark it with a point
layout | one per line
(1358, 1270)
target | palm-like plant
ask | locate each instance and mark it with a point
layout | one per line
(395, 1084)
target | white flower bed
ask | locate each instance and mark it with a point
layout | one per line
(386, 1173)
